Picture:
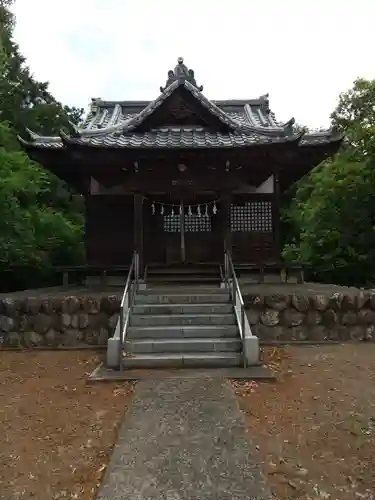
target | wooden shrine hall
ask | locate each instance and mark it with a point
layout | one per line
(181, 178)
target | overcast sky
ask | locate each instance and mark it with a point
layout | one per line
(303, 53)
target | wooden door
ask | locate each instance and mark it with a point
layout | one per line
(153, 234)
(172, 228)
(203, 236)
(193, 236)
(162, 233)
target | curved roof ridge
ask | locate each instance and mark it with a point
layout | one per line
(35, 138)
(222, 115)
(289, 123)
(331, 132)
(65, 138)
(279, 128)
(237, 125)
(33, 135)
(129, 124)
(41, 142)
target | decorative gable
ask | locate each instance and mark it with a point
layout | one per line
(179, 105)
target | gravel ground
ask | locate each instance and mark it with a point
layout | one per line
(314, 429)
(57, 431)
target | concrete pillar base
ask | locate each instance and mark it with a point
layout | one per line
(113, 353)
(142, 285)
(251, 350)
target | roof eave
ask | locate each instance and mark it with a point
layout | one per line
(329, 137)
(85, 143)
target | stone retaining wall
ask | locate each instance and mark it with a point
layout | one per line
(336, 317)
(58, 321)
(73, 321)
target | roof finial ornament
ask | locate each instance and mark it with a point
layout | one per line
(95, 102)
(181, 72)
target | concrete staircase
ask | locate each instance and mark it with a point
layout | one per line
(182, 328)
(200, 274)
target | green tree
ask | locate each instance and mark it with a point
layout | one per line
(331, 219)
(25, 102)
(34, 236)
(355, 115)
(41, 220)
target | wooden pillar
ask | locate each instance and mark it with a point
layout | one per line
(276, 213)
(86, 230)
(182, 232)
(226, 199)
(138, 230)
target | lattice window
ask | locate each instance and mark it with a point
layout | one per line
(192, 223)
(172, 223)
(251, 216)
(197, 224)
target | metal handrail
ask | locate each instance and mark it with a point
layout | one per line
(131, 288)
(235, 292)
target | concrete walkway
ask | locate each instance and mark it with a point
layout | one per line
(183, 439)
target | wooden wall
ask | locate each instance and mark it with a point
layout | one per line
(109, 229)
(254, 219)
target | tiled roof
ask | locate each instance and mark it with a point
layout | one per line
(115, 124)
(177, 137)
(174, 137)
(251, 116)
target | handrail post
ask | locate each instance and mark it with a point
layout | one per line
(243, 332)
(226, 267)
(137, 270)
(243, 320)
(237, 300)
(121, 335)
(127, 303)
(121, 323)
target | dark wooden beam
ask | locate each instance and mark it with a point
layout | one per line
(113, 166)
(138, 229)
(276, 223)
(226, 198)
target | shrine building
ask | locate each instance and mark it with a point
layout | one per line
(181, 179)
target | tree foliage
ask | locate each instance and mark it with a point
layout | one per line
(41, 219)
(355, 115)
(331, 219)
(30, 229)
(25, 102)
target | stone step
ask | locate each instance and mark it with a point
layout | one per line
(181, 298)
(182, 289)
(184, 270)
(182, 319)
(155, 332)
(167, 345)
(182, 278)
(183, 309)
(183, 360)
